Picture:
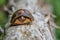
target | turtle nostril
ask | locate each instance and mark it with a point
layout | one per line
(22, 19)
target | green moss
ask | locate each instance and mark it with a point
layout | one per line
(2, 2)
(2, 18)
(56, 11)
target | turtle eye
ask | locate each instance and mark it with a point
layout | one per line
(21, 16)
(27, 20)
(22, 19)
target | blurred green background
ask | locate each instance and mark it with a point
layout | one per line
(56, 11)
